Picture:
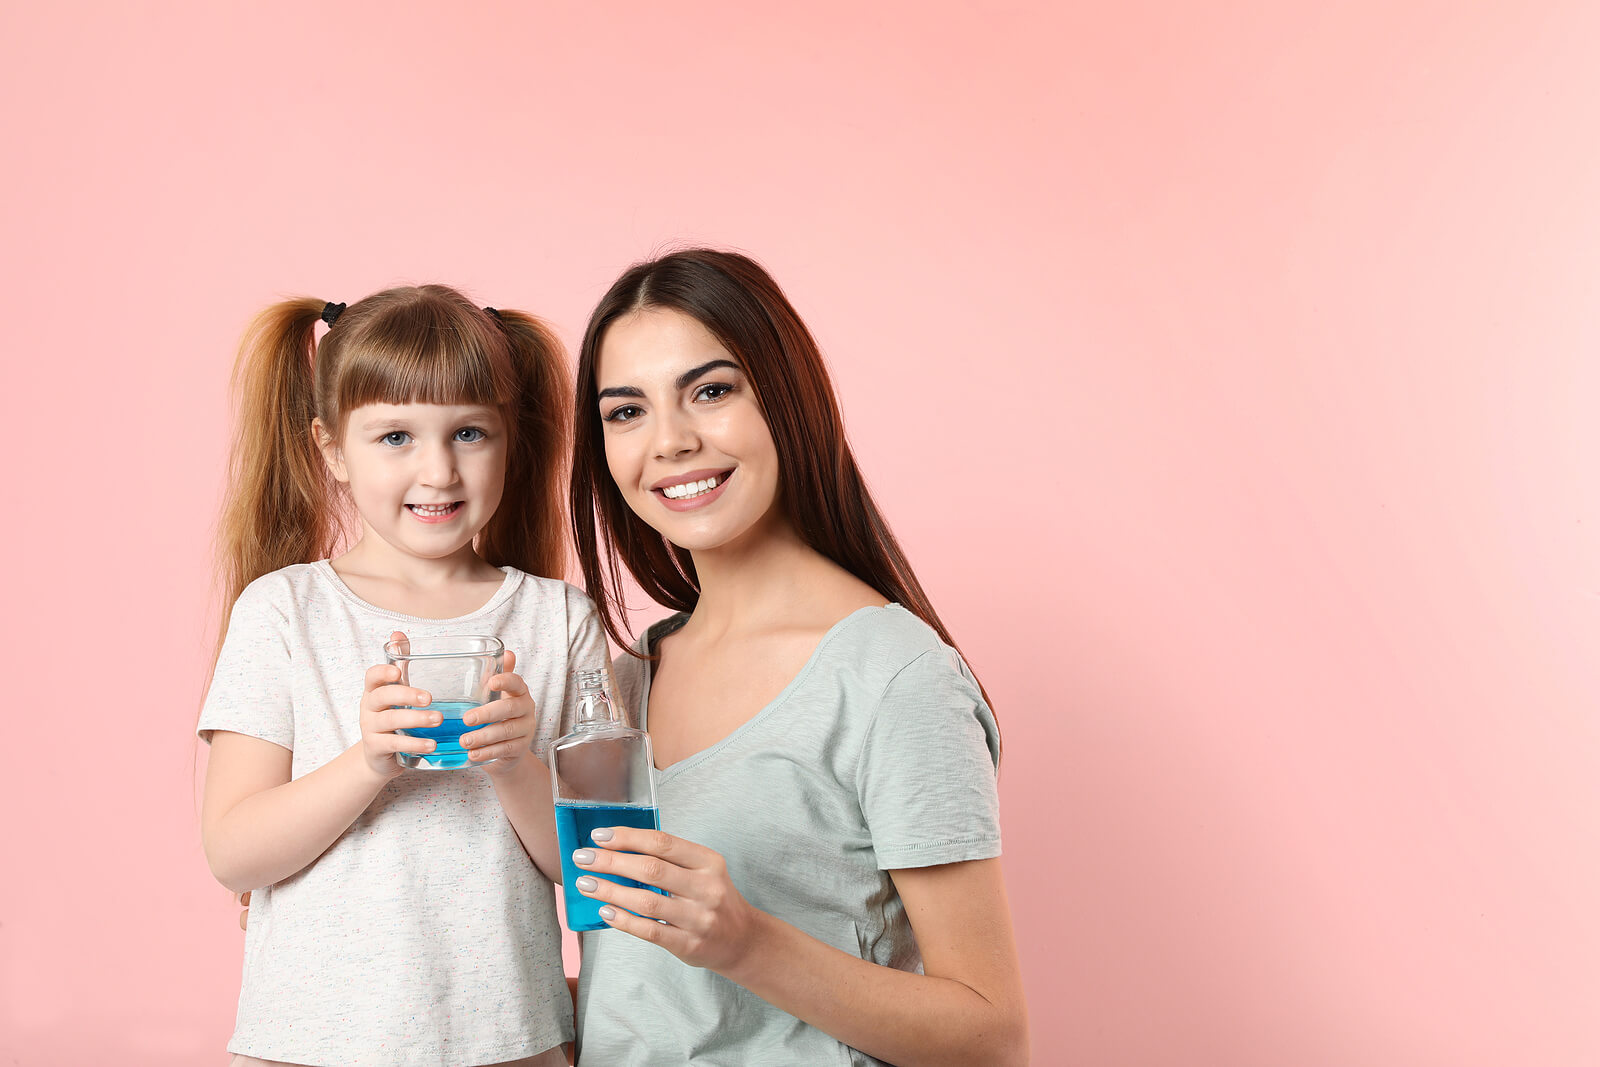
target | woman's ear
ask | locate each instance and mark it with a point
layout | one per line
(331, 455)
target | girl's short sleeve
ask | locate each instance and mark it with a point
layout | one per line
(251, 689)
(927, 773)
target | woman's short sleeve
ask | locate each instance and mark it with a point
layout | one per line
(927, 773)
(251, 689)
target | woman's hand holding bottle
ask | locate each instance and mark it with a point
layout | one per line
(705, 922)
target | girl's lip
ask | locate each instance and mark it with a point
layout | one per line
(723, 478)
(437, 517)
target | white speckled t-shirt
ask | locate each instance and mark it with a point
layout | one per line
(424, 935)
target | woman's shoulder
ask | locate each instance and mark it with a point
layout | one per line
(890, 635)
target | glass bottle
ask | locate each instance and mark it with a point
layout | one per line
(602, 775)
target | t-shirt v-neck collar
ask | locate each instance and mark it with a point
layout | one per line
(671, 625)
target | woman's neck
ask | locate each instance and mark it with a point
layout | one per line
(772, 580)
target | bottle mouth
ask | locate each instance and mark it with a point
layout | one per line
(458, 647)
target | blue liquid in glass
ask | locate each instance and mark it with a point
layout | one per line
(573, 825)
(448, 753)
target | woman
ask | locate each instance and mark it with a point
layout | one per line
(830, 834)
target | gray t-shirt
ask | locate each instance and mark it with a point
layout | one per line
(880, 754)
(423, 935)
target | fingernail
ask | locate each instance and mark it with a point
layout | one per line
(602, 834)
(584, 856)
(586, 884)
(608, 913)
(424, 698)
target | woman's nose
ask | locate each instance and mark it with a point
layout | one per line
(674, 436)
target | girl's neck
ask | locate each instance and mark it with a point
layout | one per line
(429, 588)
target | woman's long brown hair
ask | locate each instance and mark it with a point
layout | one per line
(426, 344)
(820, 486)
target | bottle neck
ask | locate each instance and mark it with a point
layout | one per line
(595, 710)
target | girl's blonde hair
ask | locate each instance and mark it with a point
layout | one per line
(422, 344)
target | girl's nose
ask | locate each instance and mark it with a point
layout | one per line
(438, 467)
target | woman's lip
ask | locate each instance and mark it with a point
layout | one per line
(709, 496)
(691, 476)
(446, 516)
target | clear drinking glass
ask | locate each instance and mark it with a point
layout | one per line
(455, 671)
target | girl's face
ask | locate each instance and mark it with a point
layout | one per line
(685, 439)
(425, 478)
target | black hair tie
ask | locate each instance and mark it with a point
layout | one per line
(331, 312)
(493, 311)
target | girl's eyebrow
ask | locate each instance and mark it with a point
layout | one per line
(678, 383)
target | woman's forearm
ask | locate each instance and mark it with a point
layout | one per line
(269, 835)
(897, 1016)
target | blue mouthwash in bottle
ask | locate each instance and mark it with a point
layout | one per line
(602, 775)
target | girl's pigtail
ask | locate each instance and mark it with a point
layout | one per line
(278, 507)
(528, 530)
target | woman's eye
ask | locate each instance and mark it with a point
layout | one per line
(470, 435)
(713, 391)
(624, 413)
(396, 438)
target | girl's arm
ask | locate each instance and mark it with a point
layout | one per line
(967, 1007)
(520, 781)
(258, 827)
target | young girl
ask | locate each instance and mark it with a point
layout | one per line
(827, 761)
(397, 917)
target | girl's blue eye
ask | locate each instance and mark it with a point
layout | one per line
(396, 438)
(470, 435)
(713, 391)
(624, 413)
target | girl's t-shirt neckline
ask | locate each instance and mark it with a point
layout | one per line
(513, 579)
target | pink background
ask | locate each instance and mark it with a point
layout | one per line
(1228, 371)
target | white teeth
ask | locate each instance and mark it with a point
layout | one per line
(432, 509)
(689, 489)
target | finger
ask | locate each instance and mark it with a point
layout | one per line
(504, 750)
(503, 710)
(496, 732)
(391, 719)
(510, 684)
(645, 902)
(666, 935)
(650, 870)
(511, 661)
(396, 696)
(382, 674)
(416, 746)
(674, 850)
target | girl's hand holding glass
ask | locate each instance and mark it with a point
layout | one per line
(511, 723)
(384, 710)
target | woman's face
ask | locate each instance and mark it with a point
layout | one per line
(686, 442)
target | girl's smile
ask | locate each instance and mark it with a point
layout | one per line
(435, 513)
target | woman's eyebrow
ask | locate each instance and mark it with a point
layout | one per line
(678, 383)
(690, 375)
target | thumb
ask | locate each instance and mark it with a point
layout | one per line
(511, 662)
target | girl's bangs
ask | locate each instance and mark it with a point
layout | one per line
(432, 369)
